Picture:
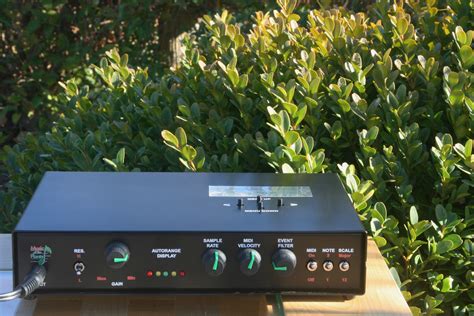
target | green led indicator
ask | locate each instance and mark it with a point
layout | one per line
(216, 260)
(252, 259)
(165, 274)
(278, 268)
(124, 259)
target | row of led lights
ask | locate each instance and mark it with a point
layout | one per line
(150, 274)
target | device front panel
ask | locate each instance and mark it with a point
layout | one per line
(195, 262)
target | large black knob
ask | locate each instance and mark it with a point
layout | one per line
(284, 262)
(117, 255)
(214, 262)
(250, 261)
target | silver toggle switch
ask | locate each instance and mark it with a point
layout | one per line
(344, 266)
(328, 265)
(312, 265)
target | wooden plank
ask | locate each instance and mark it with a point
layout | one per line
(6, 252)
(14, 307)
(382, 298)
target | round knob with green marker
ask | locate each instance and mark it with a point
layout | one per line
(214, 261)
(284, 262)
(250, 261)
(117, 255)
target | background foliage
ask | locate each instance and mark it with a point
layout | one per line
(43, 42)
(383, 98)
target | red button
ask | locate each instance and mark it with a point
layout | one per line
(101, 278)
(131, 278)
(149, 274)
(182, 273)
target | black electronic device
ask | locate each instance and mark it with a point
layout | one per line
(106, 232)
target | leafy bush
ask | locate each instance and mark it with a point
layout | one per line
(385, 99)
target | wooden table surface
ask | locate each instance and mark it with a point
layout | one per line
(382, 297)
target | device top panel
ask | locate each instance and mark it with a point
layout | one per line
(190, 202)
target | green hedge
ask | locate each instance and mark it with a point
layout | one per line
(385, 99)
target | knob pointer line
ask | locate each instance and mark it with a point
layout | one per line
(284, 268)
(216, 260)
(252, 259)
(124, 259)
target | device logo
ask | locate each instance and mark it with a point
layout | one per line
(40, 254)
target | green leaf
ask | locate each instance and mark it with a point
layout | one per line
(291, 137)
(460, 36)
(276, 119)
(395, 276)
(449, 243)
(455, 239)
(285, 122)
(311, 102)
(114, 55)
(314, 85)
(181, 137)
(124, 60)
(372, 133)
(200, 158)
(441, 215)
(402, 26)
(413, 215)
(421, 226)
(243, 81)
(286, 168)
(300, 115)
(233, 76)
(110, 162)
(290, 107)
(170, 138)
(380, 241)
(351, 183)
(121, 156)
(225, 41)
(71, 89)
(468, 148)
(467, 56)
(239, 40)
(196, 111)
(188, 152)
(381, 211)
(444, 246)
(345, 106)
(456, 97)
(447, 284)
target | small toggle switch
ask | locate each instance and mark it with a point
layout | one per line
(260, 205)
(280, 202)
(259, 198)
(240, 202)
(312, 265)
(328, 265)
(79, 267)
(344, 266)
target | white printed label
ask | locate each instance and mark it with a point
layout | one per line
(166, 253)
(285, 242)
